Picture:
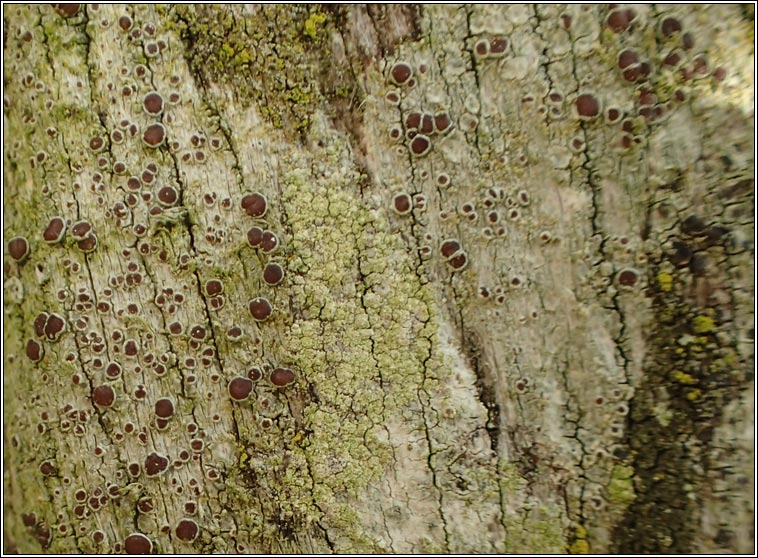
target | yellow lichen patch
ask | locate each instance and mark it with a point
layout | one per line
(579, 546)
(665, 280)
(580, 532)
(683, 378)
(312, 24)
(694, 395)
(703, 324)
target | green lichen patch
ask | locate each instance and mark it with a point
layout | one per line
(528, 528)
(353, 355)
(621, 486)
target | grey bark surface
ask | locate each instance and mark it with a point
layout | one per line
(517, 302)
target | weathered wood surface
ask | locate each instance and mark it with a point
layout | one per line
(583, 381)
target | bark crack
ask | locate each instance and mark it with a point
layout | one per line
(431, 450)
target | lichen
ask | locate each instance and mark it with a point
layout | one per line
(440, 401)
(240, 49)
(527, 529)
(702, 324)
(621, 486)
(312, 24)
(665, 280)
(579, 546)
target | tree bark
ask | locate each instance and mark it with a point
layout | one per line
(516, 305)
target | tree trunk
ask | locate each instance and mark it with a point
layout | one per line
(378, 278)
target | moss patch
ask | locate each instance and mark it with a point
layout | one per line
(686, 385)
(270, 56)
